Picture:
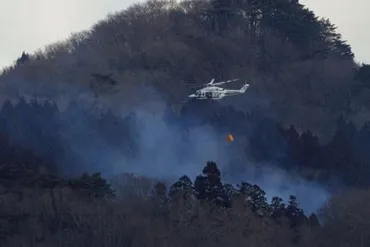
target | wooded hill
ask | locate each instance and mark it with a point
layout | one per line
(305, 112)
(302, 75)
(301, 71)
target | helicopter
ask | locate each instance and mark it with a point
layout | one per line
(213, 92)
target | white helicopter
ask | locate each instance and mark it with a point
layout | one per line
(211, 91)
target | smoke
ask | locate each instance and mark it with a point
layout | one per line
(167, 148)
(277, 182)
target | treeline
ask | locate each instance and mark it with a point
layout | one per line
(70, 139)
(87, 212)
(297, 63)
(301, 72)
(344, 157)
(59, 201)
(341, 158)
(208, 187)
(76, 140)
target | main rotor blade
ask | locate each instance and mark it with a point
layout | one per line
(194, 85)
(223, 82)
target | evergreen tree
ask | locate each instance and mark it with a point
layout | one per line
(159, 197)
(92, 186)
(277, 207)
(361, 143)
(333, 42)
(256, 198)
(23, 59)
(208, 186)
(221, 13)
(266, 142)
(310, 150)
(182, 190)
(230, 191)
(313, 221)
(182, 199)
(293, 143)
(294, 213)
(363, 75)
(340, 154)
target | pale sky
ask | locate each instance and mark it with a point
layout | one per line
(352, 19)
(31, 24)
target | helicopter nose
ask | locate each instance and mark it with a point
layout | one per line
(192, 96)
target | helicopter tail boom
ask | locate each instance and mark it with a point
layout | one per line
(244, 88)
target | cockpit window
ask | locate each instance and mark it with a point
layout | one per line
(197, 93)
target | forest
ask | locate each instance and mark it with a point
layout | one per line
(99, 148)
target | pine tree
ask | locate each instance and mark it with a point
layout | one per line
(256, 198)
(92, 186)
(208, 186)
(277, 207)
(159, 197)
(294, 213)
(333, 40)
(23, 59)
(313, 221)
(182, 190)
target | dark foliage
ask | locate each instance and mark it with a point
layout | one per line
(33, 130)
(303, 76)
(162, 45)
(92, 186)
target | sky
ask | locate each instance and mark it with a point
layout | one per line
(352, 20)
(27, 25)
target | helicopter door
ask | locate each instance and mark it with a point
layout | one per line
(209, 95)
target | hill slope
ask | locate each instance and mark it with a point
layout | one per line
(298, 65)
(138, 60)
(111, 100)
(115, 103)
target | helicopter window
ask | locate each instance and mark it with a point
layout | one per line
(197, 94)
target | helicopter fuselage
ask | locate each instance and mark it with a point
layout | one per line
(216, 93)
(213, 92)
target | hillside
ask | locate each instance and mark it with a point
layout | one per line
(205, 212)
(110, 101)
(297, 65)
